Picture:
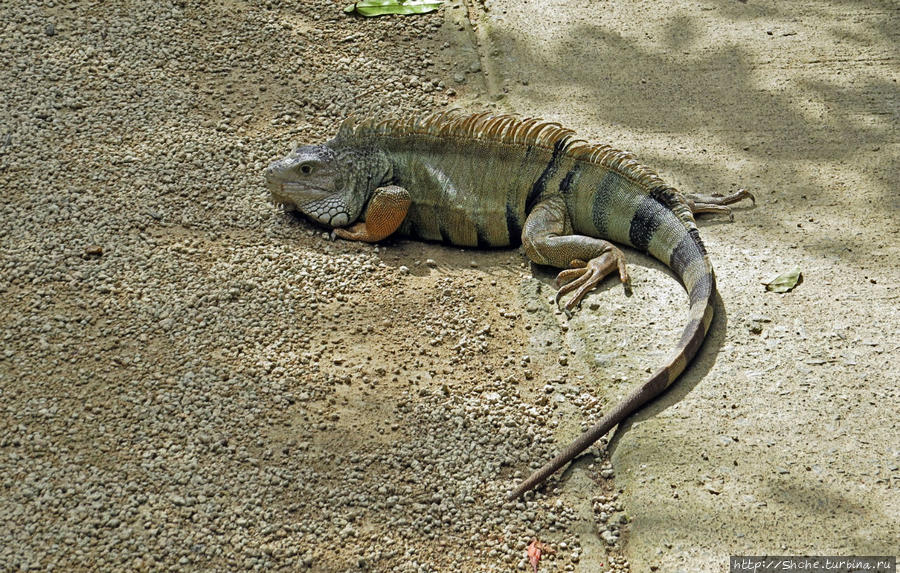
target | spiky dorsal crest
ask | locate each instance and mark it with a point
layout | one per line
(504, 130)
(508, 129)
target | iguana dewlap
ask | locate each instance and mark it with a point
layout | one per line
(494, 181)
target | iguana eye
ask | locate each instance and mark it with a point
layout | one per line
(306, 169)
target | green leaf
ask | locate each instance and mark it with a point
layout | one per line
(371, 8)
(785, 281)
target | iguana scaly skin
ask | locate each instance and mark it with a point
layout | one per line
(493, 181)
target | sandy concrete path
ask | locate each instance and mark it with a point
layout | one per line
(783, 438)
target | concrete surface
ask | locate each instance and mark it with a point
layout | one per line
(783, 437)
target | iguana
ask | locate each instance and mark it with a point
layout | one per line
(494, 181)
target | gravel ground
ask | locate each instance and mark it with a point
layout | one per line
(188, 378)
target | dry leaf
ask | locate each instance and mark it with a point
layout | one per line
(785, 281)
(535, 550)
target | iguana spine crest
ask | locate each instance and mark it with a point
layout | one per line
(504, 130)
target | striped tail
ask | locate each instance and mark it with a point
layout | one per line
(691, 263)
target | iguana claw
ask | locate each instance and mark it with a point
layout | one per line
(718, 203)
(583, 277)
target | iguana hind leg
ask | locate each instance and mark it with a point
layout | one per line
(717, 203)
(548, 240)
(387, 209)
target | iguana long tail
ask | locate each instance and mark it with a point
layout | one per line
(690, 262)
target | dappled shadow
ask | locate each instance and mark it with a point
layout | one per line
(882, 16)
(713, 92)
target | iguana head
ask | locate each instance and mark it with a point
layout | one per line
(314, 181)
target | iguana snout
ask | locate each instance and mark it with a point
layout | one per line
(310, 181)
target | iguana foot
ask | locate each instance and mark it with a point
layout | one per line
(718, 203)
(386, 210)
(355, 232)
(585, 276)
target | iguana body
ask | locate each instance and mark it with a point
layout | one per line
(493, 181)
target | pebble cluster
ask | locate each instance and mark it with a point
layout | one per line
(191, 378)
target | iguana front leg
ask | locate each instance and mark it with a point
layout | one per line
(387, 209)
(548, 240)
